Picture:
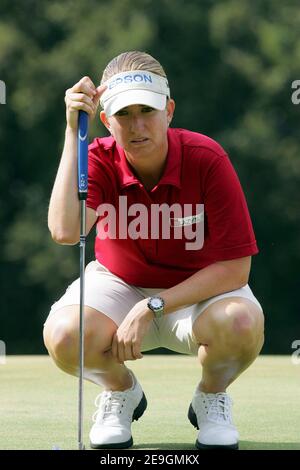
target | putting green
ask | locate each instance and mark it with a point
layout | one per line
(39, 404)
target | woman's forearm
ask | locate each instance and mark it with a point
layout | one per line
(210, 281)
(64, 207)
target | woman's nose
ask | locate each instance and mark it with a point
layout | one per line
(137, 123)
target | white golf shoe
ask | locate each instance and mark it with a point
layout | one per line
(116, 411)
(211, 414)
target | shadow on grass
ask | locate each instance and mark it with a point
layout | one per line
(244, 445)
(165, 446)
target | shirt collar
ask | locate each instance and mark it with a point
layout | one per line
(172, 172)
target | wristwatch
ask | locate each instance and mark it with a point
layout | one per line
(156, 304)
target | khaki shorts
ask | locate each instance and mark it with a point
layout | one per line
(112, 296)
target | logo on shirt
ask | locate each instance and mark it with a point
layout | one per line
(184, 221)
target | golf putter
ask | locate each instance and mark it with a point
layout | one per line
(82, 158)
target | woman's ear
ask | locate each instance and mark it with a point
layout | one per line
(170, 110)
(105, 121)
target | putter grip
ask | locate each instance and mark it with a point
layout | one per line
(82, 154)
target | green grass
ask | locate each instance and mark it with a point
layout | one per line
(39, 404)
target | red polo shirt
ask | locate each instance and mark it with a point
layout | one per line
(197, 171)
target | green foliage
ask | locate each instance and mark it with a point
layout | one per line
(230, 65)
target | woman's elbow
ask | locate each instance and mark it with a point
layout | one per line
(63, 238)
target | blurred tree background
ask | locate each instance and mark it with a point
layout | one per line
(230, 65)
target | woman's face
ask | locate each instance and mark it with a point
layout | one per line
(140, 130)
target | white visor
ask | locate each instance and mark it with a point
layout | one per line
(135, 87)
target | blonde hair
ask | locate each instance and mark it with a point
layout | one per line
(133, 60)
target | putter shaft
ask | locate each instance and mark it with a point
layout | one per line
(81, 321)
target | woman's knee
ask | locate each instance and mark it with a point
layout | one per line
(236, 319)
(61, 334)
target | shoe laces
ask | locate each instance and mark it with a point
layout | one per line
(110, 404)
(218, 407)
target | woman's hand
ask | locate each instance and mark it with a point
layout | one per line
(127, 340)
(82, 96)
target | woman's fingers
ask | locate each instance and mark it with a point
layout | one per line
(82, 96)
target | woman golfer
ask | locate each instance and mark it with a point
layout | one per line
(173, 251)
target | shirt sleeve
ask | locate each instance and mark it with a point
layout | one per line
(229, 231)
(99, 183)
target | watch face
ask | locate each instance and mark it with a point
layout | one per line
(156, 303)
